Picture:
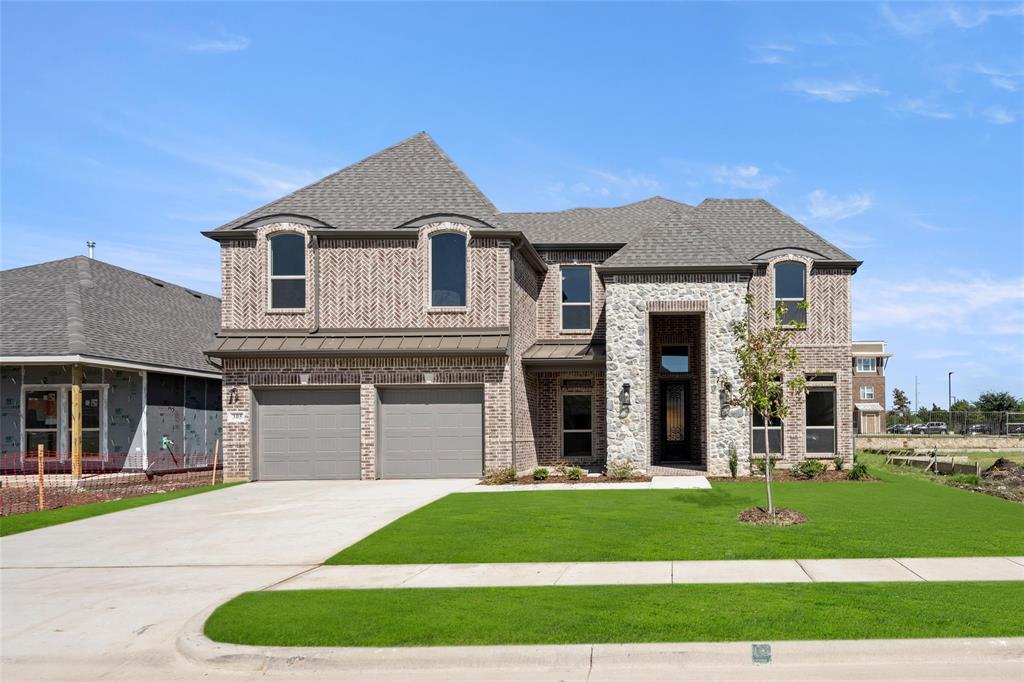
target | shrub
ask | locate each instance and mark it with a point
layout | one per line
(499, 475)
(540, 473)
(757, 464)
(734, 461)
(561, 468)
(839, 462)
(621, 469)
(574, 473)
(965, 479)
(858, 472)
(809, 468)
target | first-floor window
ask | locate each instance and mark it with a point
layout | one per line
(867, 392)
(90, 422)
(576, 426)
(821, 421)
(41, 412)
(767, 436)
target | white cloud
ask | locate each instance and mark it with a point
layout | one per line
(606, 184)
(826, 207)
(999, 116)
(921, 107)
(1003, 80)
(931, 227)
(839, 92)
(945, 302)
(770, 53)
(745, 176)
(225, 42)
(938, 16)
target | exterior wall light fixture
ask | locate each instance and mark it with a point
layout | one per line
(624, 396)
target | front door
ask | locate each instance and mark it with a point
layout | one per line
(675, 420)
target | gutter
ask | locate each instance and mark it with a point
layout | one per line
(696, 269)
(512, 342)
(101, 362)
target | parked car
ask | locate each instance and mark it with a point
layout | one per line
(930, 427)
(901, 428)
(977, 430)
(1016, 428)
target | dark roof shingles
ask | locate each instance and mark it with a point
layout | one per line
(124, 315)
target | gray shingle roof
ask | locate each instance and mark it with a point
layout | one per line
(415, 178)
(676, 242)
(753, 227)
(80, 306)
(616, 225)
(412, 179)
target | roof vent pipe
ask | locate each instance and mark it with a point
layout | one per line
(91, 245)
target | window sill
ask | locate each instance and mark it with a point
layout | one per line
(287, 311)
(576, 331)
(447, 309)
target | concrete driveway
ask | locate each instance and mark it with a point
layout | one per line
(105, 598)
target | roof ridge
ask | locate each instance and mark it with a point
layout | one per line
(356, 164)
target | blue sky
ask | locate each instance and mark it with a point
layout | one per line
(894, 130)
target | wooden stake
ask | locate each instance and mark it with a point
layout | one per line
(76, 422)
(213, 475)
(42, 494)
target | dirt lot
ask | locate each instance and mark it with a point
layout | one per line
(1005, 479)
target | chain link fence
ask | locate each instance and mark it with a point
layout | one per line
(28, 485)
(972, 423)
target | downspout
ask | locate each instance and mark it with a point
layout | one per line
(512, 341)
(314, 241)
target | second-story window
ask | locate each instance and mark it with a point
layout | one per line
(575, 298)
(287, 272)
(866, 365)
(448, 270)
(791, 291)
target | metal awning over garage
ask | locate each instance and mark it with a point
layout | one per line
(568, 354)
(390, 342)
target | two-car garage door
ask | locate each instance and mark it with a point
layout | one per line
(423, 432)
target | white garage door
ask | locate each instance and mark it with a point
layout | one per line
(307, 434)
(432, 432)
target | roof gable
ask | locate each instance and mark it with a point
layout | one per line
(409, 180)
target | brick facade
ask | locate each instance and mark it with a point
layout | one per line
(242, 376)
(384, 284)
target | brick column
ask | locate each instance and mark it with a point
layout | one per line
(368, 431)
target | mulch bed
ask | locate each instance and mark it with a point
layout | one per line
(585, 480)
(783, 475)
(758, 516)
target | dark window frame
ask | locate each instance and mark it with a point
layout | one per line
(430, 270)
(272, 278)
(795, 313)
(563, 431)
(765, 427)
(808, 428)
(588, 304)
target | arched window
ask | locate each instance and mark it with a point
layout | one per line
(448, 270)
(791, 291)
(287, 272)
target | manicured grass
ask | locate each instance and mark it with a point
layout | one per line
(9, 525)
(898, 516)
(619, 613)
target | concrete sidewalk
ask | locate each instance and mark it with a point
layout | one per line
(656, 572)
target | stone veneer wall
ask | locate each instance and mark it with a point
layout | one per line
(366, 374)
(630, 301)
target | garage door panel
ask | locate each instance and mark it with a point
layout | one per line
(308, 434)
(431, 433)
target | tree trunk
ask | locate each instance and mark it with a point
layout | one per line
(768, 484)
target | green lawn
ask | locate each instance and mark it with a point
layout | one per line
(9, 525)
(898, 516)
(619, 613)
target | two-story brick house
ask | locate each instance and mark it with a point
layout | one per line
(389, 321)
(869, 361)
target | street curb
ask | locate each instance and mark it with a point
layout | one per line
(196, 647)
